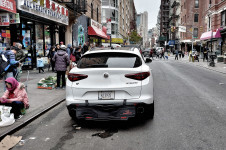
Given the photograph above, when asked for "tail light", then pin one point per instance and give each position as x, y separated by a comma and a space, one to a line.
138, 76
76, 77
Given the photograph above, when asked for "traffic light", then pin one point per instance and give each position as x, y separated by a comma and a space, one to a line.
201, 28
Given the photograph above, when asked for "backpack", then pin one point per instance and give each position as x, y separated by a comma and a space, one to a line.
4, 64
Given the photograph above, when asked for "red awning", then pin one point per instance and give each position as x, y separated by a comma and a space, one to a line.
208, 35
96, 32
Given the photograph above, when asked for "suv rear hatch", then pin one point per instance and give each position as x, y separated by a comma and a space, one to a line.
106, 77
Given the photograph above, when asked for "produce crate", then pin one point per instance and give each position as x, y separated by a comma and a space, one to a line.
48, 86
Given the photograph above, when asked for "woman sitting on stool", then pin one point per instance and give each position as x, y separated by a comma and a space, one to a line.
15, 96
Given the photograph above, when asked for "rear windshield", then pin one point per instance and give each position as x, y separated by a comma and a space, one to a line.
110, 60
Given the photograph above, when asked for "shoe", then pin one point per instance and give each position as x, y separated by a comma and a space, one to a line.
57, 88
18, 117
63, 87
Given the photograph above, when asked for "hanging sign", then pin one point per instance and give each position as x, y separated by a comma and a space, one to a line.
45, 8
8, 5
14, 18
4, 19
182, 28
109, 26
96, 24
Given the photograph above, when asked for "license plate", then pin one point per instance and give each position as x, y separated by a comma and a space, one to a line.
106, 95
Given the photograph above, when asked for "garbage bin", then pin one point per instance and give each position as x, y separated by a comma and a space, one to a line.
225, 58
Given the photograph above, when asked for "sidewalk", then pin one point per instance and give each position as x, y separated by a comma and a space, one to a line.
39, 99
219, 67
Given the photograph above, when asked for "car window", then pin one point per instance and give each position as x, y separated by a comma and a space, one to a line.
110, 60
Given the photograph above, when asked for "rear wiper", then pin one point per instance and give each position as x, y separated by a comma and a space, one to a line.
97, 66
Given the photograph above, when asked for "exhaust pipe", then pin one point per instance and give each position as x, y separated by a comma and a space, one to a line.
140, 110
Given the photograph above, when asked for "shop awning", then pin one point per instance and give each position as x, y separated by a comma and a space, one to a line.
208, 35
171, 42
96, 32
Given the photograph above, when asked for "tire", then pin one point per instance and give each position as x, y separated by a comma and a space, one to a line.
150, 111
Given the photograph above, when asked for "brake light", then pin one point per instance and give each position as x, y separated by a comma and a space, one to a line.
76, 77
138, 76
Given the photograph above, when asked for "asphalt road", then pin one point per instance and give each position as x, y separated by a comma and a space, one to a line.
190, 114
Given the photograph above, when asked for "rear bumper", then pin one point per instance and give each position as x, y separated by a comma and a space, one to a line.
106, 112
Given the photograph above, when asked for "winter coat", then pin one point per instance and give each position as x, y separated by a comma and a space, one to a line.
68, 50
61, 60
20, 56
20, 94
51, 54
85, 49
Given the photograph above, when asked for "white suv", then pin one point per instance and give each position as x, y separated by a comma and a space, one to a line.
110, 85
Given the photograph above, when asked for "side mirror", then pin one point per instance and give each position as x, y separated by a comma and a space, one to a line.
148, 60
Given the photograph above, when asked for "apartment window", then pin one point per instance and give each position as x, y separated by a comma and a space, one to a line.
97, 14
210, 2
91, 10
209, 24
223, 18
195, 33
196, 3
196, 18
185, 18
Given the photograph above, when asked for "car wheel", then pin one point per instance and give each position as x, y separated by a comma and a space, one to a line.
149, 111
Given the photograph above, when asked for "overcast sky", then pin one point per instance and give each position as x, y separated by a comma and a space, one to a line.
152, 7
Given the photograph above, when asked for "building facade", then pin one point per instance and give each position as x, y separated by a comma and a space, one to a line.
142, 26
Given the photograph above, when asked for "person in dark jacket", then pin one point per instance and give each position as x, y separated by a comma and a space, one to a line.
85, 48
61, 60
52, 52
20, 56
78, 54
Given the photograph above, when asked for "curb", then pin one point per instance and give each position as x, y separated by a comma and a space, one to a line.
28, 121
203, 67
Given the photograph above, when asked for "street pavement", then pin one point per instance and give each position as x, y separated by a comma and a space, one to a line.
190, 108
39, 99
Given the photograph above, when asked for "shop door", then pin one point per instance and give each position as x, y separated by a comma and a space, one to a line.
27, 47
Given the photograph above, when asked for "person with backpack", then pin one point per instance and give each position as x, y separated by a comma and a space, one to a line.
20, 56
61, 60
8, 57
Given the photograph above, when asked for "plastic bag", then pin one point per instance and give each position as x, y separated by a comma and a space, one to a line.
6, 118
6, 121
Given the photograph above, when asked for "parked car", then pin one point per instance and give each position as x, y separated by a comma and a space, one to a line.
110, 84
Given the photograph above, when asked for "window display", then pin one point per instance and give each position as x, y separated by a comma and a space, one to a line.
39, 40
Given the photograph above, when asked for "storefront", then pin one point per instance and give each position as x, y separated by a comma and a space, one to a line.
213, 38
36, 26
223, 35
7, 17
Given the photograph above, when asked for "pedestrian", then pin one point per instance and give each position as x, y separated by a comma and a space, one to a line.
176, 54
15, 97
52, 52
57, 47
69, 49
78, 54
205, 53
10, 55
180, 53
40, 64
85, 47
163, 54
20, 56
61, 60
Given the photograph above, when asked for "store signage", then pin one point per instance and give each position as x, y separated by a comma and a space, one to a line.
45, 8
182, 29
14, 18
8, 5
96, 24
109, 26
4, 19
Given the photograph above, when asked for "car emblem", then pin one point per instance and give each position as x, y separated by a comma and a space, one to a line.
106, 75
